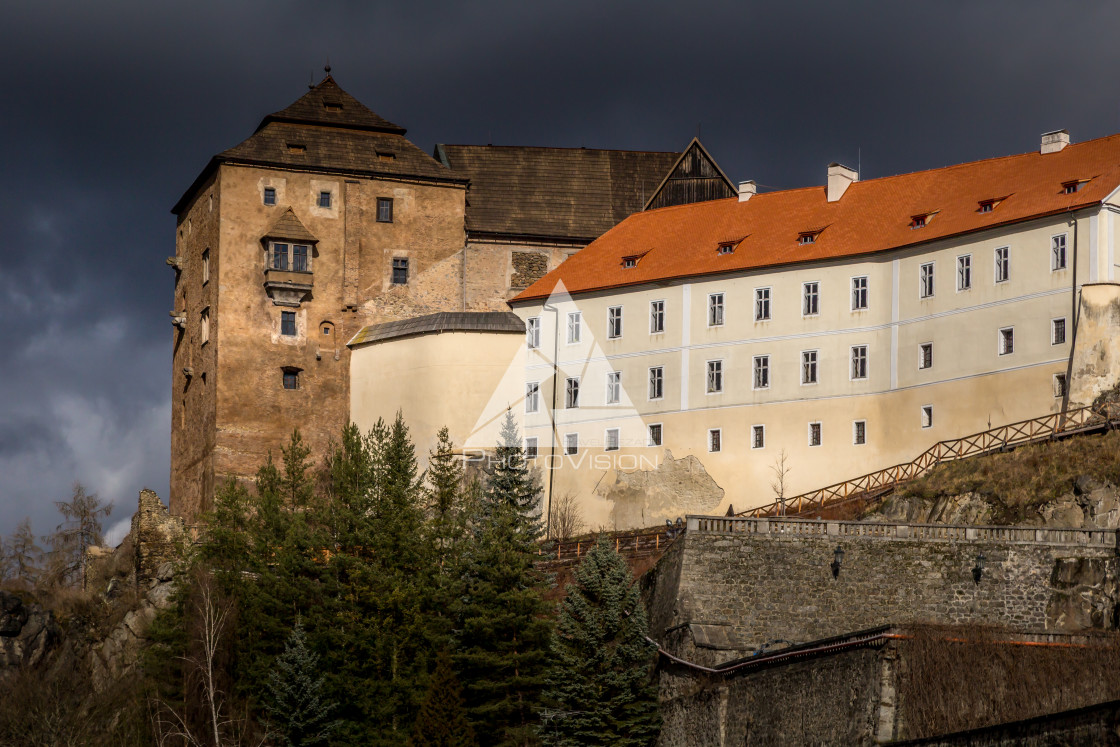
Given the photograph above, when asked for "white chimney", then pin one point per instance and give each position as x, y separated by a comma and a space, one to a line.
840, 177
747, 190
1052, 142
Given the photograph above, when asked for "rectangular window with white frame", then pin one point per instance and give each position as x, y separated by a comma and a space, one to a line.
1007, 341
808, 366
964, 272
656, 382
1058, 331
610, 440
814, 434
761, 304
758, 436
533, 332
571, 393
859, 432
571, 444
925, 280
614, 387
1060, 388
653, 430
1003, 264
614, 322
656, 317
530, 447
715, 440
1058, 252
925, 355
715, 377
761, 375
859, 362
810, 299
575, 327
927, 416
715, 310
859, 293
533, 396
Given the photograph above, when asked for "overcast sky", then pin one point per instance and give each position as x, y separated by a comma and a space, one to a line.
112, 108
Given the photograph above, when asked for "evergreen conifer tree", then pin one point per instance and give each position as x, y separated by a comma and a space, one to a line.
296, 704
504, 625
600, 682
442, 722
25, 554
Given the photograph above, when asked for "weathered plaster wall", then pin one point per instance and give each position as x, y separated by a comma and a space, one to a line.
1095, 368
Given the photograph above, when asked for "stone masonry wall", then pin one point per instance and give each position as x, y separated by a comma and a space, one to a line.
157, 537
765, 580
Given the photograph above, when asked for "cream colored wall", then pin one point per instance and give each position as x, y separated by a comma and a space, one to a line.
462, 380
969, 385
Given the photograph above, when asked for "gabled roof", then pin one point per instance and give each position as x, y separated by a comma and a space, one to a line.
871, 216
289, 226
694, 177
309, 135
327, 105
554, 193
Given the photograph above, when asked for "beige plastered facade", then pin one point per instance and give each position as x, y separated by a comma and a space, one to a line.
972, 384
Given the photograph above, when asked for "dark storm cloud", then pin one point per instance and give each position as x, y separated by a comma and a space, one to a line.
111, 109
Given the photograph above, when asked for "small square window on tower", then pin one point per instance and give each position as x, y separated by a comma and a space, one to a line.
270, 195
384, 209
927, 416
291, 378
324, 199
287, 323
400, 270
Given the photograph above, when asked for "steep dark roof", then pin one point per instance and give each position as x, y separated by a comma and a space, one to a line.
328, 105
288, 226
563, 193
443, 321
308, 135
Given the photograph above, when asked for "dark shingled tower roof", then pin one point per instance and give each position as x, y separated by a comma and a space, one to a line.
556, 193
328, 130
288, 226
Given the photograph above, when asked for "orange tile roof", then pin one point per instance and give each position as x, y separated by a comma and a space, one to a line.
872, 216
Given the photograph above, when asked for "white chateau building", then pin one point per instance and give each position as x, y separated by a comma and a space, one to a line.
669, 366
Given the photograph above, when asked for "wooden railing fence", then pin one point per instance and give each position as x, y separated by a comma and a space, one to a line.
1045, 428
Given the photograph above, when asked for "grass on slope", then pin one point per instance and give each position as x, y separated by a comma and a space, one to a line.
1019, 481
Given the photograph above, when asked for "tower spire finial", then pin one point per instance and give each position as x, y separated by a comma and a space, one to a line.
327, 67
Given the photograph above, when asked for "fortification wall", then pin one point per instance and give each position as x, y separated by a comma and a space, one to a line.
733, 584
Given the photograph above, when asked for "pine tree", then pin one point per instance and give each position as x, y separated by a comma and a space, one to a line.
296, 703
442, 722
600, 682
25, 554
80, 529
503, 616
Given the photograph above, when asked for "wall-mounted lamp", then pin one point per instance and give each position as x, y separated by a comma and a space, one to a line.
978, 569
837, 559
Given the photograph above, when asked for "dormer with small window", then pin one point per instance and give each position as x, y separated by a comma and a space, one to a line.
289, 251
921, 220
727, 247
1073, 186
809, 237
631, 261
987, 206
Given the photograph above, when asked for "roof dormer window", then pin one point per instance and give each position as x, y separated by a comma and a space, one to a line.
629, 262
921, 220
809, 237
1071, 187
297, 148
726, 247
332, 106
986, 206
385, 156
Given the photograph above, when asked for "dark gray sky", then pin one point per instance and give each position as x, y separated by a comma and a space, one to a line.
112, 108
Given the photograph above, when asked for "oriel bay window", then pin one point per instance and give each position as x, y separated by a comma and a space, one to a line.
289, 257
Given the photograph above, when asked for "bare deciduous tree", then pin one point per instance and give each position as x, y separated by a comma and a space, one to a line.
24, 554
781, 470
567, 518
80, 530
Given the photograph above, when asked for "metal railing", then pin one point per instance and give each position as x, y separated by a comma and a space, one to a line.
1047, 427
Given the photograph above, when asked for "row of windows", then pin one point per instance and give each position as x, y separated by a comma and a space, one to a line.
815, 432
326, 200
810, 296
760, 377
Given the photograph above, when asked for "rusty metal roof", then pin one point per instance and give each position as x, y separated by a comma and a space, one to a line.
443, 321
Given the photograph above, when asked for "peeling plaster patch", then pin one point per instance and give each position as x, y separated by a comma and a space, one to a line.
677, 487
